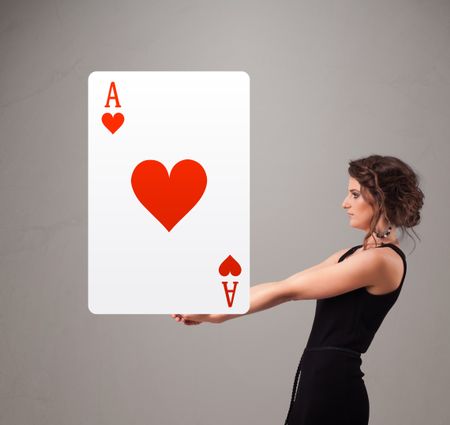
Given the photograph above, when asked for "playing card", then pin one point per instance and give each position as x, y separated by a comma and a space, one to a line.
168, 192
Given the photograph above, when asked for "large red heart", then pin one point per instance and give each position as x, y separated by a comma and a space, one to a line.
113, 123
169, 198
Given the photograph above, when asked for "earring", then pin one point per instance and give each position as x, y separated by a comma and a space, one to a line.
387, 232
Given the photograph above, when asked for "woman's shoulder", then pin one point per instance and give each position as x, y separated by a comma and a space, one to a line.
391, 268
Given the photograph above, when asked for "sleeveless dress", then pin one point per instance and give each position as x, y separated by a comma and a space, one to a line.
331, 390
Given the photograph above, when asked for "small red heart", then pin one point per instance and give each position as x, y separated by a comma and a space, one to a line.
113, 123
230, 265
169, 198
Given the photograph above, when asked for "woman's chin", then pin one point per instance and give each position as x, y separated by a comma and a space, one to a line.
358, 227
354, 225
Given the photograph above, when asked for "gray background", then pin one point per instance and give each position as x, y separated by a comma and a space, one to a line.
330, 81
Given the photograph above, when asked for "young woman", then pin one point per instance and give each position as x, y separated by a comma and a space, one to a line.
354, 288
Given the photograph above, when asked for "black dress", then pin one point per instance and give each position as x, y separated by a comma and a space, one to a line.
331, 390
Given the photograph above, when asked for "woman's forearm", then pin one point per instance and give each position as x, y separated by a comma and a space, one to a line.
262, 297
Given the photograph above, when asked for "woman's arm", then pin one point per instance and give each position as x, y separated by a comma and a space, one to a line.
267, 295
264, 295
364, 269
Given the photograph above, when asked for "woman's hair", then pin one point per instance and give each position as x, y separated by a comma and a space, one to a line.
392, 188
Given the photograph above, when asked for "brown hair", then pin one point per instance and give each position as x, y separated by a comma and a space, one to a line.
392, 188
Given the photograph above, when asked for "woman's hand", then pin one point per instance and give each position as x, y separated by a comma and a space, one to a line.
180, 318
197, 319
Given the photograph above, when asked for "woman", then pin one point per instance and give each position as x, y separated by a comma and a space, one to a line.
353, 296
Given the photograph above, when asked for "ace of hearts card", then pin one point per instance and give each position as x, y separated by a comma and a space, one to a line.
168, 192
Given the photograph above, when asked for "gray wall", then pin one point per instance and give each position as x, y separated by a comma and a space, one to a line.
330, 81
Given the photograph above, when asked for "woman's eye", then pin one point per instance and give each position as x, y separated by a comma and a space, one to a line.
355, 195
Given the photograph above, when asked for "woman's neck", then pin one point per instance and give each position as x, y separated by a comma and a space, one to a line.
392, 238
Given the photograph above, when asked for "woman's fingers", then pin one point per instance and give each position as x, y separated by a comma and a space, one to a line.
186, 321
177, 317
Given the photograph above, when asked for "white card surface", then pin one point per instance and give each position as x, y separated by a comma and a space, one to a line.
168, 192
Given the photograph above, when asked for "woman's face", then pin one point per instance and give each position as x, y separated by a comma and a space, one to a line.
359, 210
